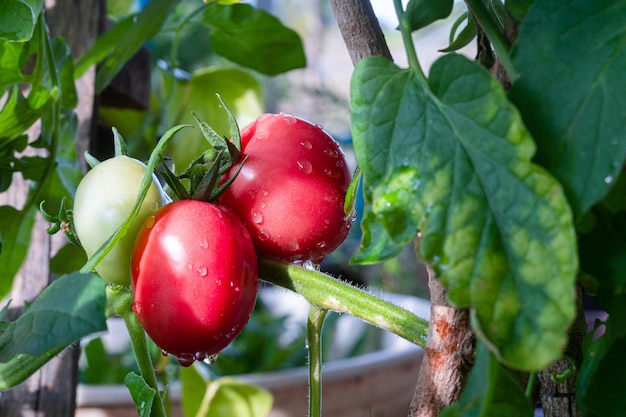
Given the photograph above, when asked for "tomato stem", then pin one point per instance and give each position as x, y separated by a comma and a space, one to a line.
119, 303
314, 341
330, 293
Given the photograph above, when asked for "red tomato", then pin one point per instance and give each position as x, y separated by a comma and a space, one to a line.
290, 192
194, 278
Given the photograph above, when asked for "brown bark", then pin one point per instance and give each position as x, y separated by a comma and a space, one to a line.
360, 29
450, 343
51, 391
449, 355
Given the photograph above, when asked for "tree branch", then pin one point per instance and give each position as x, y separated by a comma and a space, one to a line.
360, 29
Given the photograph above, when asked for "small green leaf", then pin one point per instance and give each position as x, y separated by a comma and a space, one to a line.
222, 397
19, 112
451, 159
465, 37
13, 56
490, 392
253, 38
15, 229
143, 395
421, 13
18, 19
571, 92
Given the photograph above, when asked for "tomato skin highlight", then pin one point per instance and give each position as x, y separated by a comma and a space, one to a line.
104, 198
194, 278
291, 190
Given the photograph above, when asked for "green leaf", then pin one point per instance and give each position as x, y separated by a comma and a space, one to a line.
18, 19
222, 397
15, 231
19, 113
571, 92
238, 88
464, 38
490, 392
68, 259
421, 13
143, 395
376, 244
68, 309
253, 38
12, 59
451, 158
118, 45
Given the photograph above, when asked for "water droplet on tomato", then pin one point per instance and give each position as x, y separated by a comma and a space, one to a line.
293, 245
164, 353
257, 217
203, 271
319, 126
200, 356
265, 193
204, 244
327, 171
333, 153
186, 359
252, 194
305, 166
320, 245
150, 222
259, 137
288, 118
339, 163
306, 144
136, 308
264, 235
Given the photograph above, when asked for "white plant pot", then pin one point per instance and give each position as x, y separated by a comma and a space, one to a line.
379, 383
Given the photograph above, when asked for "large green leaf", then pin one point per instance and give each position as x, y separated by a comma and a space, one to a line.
15, 231
18, 19
70, 308
451, 158
253, 38
490, 391
571, 58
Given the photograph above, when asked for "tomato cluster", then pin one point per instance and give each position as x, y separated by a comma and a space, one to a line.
192, 264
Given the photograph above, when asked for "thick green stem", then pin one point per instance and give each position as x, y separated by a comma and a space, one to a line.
495, 36
119, 302
327, 292
314, 341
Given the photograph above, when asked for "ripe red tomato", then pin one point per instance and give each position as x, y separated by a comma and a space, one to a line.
194, 278
290, 192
